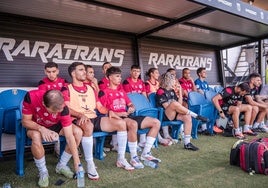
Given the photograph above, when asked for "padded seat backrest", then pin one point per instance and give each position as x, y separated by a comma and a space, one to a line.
11, 105
152, 99
195, 98
210, 94
140, 101
11, 97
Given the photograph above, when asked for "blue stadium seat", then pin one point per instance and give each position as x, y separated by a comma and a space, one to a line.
10, 103
22, 141
143, 107
99, 145
218, 88
200, 105
10, 108
176, 125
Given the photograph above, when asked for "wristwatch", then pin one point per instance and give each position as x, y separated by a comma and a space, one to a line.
220, 111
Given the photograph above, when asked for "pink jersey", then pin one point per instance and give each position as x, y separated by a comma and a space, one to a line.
47, 84
150, 87
105, 83
115, 100
187, 85
131, 86
33, 105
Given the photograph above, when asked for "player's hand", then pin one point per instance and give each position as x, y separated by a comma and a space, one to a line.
49, 135
112, 114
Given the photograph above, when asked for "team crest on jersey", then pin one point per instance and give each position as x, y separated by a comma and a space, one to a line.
83, 99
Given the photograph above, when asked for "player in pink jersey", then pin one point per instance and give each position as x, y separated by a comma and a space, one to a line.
104, 82
45, 117
83, 103
133, 84
116, 101
152, 84
90, 79
187, 84
51, 81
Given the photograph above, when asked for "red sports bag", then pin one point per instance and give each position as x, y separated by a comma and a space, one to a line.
254, 156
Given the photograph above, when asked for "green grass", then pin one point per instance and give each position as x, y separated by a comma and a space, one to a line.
208, 167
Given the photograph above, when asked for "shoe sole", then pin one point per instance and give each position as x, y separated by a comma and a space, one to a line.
250, 134
154, 160
191, 149
121, 166
92, 178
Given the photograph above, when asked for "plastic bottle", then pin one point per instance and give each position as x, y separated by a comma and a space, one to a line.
6, 185
80, 176
151, 164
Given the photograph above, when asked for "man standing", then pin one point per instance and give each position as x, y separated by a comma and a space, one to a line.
45, 117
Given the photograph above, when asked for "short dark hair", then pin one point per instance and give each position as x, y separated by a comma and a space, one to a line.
254, 75
113, 70
151, 70
54, 99
73, 66
185, 69
170, 69
51, 64
199, 70
244, 87
135, 67
107, 62
88, 66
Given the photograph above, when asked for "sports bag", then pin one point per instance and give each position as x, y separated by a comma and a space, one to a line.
251, 156
235, 153
254, 156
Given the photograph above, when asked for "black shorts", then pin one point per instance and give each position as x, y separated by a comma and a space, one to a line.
165, 118
96, 123
57, 127
138, 119
225, 108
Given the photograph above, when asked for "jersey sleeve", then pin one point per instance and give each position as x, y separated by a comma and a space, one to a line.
102, 85
27, 106
65, 118
126, 86
65, 93
102, 98
161, 97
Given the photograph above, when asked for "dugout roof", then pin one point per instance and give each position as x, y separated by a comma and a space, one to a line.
216, 23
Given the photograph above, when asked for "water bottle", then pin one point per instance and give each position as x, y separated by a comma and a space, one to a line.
6, 185
80, 176
151, 164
